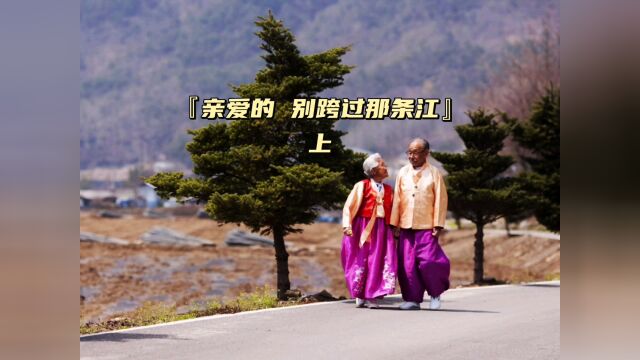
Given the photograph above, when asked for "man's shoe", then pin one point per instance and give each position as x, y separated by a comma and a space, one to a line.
409, 305
435, 303
359, 302
372, 304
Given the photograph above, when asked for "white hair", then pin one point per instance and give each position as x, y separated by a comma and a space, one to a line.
422, 141
371, 163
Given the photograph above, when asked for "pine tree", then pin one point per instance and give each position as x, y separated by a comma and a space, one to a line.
540, 136
259, 172
477, 189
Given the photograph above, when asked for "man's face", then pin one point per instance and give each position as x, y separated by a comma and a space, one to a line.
380, 170
417, 154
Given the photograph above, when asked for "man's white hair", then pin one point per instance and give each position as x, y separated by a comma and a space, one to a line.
371, 163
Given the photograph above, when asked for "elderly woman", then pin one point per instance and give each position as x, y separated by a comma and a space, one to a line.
368, 248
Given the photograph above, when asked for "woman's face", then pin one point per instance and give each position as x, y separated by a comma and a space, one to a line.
380, 171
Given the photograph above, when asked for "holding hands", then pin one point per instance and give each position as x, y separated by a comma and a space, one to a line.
347, 231
437, 231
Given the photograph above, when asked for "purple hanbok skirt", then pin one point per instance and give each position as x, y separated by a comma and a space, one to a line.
370, 271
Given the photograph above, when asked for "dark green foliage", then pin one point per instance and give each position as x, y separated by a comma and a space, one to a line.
476, 186
540, 136
259, 172
476, 189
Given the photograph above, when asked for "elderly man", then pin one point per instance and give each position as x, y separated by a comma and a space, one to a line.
418, 216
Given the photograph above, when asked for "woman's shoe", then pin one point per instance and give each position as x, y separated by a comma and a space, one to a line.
372, 304
359, 302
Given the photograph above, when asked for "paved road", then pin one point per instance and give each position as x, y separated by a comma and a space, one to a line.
538, 234
499, 322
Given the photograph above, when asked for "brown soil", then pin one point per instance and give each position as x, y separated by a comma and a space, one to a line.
116, 278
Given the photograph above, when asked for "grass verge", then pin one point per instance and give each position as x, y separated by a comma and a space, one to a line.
151, 313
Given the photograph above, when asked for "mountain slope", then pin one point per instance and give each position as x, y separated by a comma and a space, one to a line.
141, 60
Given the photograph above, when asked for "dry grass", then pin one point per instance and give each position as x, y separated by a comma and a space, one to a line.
132, 274
155, 313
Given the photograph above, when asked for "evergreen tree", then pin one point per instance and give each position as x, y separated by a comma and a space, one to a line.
540, 136
259, 172
477, 189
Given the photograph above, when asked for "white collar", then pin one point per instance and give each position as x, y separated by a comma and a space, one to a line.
373, 182
424, 166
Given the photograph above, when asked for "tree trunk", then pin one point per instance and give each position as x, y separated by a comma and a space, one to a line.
458, 222
478, 268
282, 262
506, 227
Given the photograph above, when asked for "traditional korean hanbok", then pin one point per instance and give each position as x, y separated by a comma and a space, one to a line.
419, 205
369, 255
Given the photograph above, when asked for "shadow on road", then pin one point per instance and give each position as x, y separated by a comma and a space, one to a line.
392, 304
441, 310
385, 301
123, 336
543, 285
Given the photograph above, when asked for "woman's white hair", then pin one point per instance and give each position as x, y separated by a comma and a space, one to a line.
371, 163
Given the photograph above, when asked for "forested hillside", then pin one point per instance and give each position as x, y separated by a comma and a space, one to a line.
140, 60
